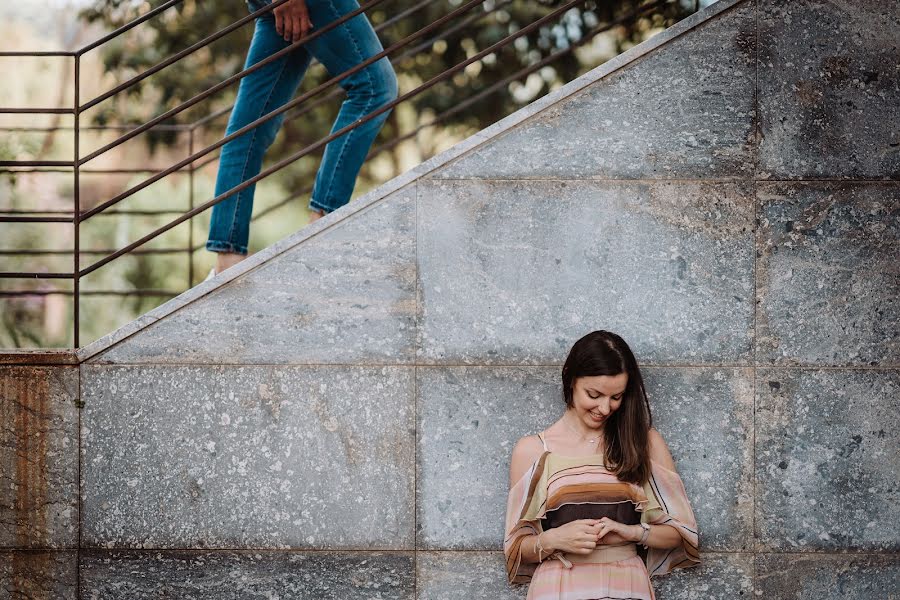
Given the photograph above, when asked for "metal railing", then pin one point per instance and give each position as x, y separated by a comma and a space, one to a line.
457, 19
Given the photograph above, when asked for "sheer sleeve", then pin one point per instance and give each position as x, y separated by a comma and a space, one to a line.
522, 520
668, 505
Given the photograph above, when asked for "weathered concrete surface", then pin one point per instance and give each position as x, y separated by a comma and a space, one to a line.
827, 459
345, 296
706, 417
468, 422
263, 575
38, 574
829, 274
237, 457
685, 113
38, 457
718, 577
827, 577
829, 89
469, 418
516, 272
464, 576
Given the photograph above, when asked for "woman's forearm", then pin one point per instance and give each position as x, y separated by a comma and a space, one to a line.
661, 536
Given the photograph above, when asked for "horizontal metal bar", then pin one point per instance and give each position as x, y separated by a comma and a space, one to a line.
23, 219
174, 127
68, 252
130, 25
37, 111
178, 56
271, 115
13, 211
294, 157
145, 292
37, 163
33, 275
26, 53
223, 84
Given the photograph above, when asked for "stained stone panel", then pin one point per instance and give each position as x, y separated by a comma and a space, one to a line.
706, 417
717, 577
38, 457
827, 577
829, 274
516, 272
685, 111
827, 459
464, 576
346, 295
829, 89
237, 457
471, 417
38, 574
262, 575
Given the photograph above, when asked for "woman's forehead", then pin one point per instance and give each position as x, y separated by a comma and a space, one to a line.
608, 384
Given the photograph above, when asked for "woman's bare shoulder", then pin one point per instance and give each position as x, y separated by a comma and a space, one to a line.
525, 452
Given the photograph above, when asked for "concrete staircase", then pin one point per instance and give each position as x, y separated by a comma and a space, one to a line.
333, 418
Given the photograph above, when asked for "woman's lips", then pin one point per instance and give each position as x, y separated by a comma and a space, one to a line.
595, 419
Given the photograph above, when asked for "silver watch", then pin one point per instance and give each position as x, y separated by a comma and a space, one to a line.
645, 534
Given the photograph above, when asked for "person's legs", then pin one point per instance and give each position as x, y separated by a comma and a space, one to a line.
367, 90
259, 93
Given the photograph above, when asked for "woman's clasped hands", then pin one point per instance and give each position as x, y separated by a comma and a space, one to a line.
584, 535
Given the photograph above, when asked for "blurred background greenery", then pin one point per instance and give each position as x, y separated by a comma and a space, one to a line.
44, 319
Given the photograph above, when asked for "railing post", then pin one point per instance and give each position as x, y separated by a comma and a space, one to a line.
76, 221
190, 246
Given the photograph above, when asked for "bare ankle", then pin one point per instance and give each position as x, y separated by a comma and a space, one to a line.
225, 260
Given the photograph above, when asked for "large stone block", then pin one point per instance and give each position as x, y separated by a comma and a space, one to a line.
464, 576
684, 111
827, 577
516, 272
345, 296
260, 574
829, 89
717, 577
38, 457
827, 460
706, 417
829, 274
38, 574
470, 418
271, 457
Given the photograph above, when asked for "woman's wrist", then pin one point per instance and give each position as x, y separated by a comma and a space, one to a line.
636, 532
548, 542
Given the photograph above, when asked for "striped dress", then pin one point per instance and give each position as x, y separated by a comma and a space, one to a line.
584, 488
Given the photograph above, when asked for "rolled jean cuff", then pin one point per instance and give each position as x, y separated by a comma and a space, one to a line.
217, 246
313, 205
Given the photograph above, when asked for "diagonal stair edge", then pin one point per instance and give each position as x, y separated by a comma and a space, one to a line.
375, 196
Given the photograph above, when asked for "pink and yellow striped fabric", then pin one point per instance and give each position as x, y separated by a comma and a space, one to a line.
554, 481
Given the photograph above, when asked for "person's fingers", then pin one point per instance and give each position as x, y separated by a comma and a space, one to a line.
296, 28
305, 23
279, 21
288, 28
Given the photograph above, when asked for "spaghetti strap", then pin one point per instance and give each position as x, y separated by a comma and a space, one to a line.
543, 441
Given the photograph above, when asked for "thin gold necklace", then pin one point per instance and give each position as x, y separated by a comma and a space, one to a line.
593, 440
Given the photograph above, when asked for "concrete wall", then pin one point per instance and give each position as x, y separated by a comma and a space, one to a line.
333, 418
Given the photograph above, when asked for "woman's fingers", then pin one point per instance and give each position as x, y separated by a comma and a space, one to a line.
279, 22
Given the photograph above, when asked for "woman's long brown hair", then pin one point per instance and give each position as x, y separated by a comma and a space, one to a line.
626, 432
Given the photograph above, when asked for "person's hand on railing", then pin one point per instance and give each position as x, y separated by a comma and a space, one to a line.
292, 20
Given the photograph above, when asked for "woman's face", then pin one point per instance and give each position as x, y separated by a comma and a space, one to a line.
595, 398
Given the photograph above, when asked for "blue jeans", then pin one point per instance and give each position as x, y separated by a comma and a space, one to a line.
272, 86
